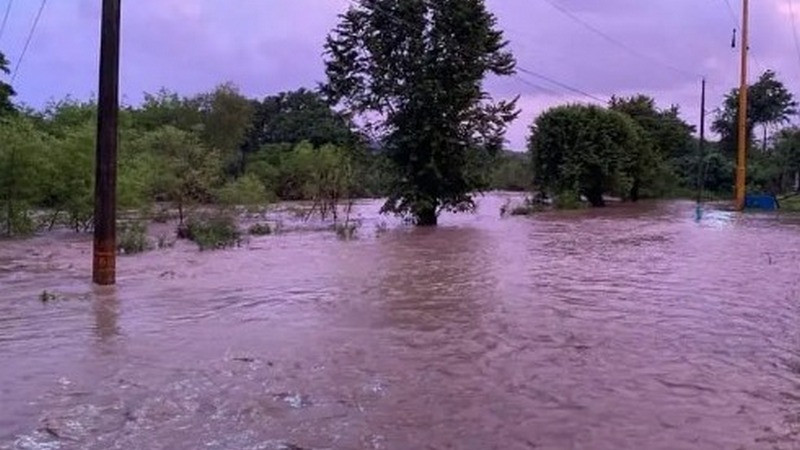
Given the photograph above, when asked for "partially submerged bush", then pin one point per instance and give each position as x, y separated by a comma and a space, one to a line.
212, 231
133, 239
346, 231
569, 200
260, 229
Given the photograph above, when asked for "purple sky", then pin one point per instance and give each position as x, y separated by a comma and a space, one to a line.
267, 46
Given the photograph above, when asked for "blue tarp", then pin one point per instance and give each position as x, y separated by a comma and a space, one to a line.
761, 201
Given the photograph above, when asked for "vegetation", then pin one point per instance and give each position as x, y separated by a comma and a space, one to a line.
260, 229
413, 71
589, 151
132, 238
212, 231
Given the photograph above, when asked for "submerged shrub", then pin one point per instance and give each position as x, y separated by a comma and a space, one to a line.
133, 239
346, 231
569, 200
211, 232
260, 229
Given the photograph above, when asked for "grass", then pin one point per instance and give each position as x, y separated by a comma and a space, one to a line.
790, 204
212, 231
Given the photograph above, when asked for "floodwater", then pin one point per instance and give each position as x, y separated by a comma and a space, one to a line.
630, 327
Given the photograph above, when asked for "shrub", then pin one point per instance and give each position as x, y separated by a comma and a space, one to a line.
133, 239
568, 200
346, 231
211, 232
260, 229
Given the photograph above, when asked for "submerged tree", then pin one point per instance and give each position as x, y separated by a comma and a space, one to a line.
586, 150
413, 71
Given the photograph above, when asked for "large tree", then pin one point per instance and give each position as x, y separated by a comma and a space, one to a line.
769, 103
413, 71
586, 150
297, 116
670, 138
6, 91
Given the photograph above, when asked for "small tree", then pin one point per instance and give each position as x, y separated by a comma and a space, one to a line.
21, 156
413, 72
586, 150
188, 172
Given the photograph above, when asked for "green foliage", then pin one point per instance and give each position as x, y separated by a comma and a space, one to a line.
588, 150
669, 141
568, 200
69, 185
297, 116
260, 229
769, 103
413, 71
791, 204
21, 154
132, 238
246, 190
187, 172
212, 231
226, 117
510, 171
7, 108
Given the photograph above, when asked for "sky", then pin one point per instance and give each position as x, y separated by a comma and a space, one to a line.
596, 47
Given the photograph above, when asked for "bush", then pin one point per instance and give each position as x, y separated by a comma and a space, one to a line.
212, 232
346, 231
133, 239
569, 200
260, 229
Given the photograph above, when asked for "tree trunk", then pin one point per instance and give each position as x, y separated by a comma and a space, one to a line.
427, 217
634, 191
595, 198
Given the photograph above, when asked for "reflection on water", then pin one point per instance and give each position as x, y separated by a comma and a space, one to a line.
628, 327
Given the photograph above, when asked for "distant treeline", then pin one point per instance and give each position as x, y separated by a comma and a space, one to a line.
403, 115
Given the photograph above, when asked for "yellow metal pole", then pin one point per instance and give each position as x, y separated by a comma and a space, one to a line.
741, 155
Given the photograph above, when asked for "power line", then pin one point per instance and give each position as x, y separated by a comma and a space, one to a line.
534, 85
5, 18
560, 84
28, 40
794, 29
732, 14
616, 42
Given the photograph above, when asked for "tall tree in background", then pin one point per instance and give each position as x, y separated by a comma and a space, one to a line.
670, 139
294, 117
769, 103
6, 91
413, 71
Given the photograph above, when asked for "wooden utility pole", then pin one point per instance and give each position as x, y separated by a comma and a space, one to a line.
105, 183
702, 147
741, 154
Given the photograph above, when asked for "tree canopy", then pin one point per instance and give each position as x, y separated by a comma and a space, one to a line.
587, 150
413, 72
6, 91
769, 103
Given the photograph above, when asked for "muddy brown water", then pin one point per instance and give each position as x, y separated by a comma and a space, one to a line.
631, 327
